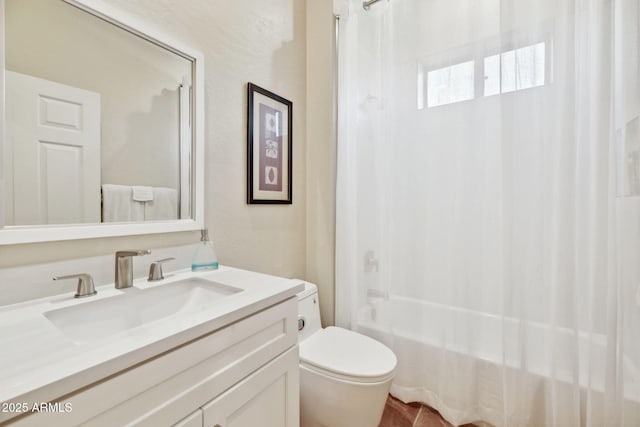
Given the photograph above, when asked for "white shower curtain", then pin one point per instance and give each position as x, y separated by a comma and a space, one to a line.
489, 175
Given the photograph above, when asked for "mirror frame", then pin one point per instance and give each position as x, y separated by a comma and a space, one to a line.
47, 233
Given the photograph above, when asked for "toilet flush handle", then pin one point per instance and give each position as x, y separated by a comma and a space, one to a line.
301, 322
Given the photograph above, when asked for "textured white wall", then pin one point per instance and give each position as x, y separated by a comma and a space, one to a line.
245, 40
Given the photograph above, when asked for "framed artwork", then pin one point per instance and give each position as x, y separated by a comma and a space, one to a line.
269, 145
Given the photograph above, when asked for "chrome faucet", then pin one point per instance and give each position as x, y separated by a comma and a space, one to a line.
124, 267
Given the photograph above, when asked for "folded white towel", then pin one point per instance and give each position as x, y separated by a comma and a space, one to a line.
142, 194
164, 205
117, 205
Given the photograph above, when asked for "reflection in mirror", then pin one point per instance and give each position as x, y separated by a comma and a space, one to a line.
98, 121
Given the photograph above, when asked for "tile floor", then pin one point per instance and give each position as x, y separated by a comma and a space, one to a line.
399, 414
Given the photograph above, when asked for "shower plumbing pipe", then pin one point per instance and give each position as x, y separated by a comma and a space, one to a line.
368, 3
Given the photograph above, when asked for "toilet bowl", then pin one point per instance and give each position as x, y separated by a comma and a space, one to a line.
344, 376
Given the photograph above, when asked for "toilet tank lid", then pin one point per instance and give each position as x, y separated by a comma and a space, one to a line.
309, 289
348, 353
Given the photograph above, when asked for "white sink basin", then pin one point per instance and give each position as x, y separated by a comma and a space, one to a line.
91, 321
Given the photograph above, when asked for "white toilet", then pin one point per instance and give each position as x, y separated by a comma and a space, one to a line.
344, 376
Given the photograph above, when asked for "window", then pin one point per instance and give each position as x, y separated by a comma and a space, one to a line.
475, 75
450, 84
513, 70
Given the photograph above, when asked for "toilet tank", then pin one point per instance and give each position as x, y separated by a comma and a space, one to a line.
308, 311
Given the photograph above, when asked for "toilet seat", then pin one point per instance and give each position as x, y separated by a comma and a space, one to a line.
345, 378
347, 355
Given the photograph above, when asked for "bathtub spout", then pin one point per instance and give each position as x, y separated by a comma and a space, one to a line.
377, 293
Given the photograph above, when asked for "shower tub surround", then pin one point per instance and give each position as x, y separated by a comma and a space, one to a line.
477, 368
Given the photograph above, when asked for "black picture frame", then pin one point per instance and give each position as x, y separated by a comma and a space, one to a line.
269, 147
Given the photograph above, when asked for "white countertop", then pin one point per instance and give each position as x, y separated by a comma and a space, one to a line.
39, 363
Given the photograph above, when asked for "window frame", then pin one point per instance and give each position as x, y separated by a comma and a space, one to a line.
477, 52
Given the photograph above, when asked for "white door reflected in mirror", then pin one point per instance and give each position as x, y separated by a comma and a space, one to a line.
53, 152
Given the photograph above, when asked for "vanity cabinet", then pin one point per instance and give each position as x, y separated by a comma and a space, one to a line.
262, 399
241, 375
193, 420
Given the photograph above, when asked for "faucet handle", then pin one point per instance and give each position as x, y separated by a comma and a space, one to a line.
370, 262
86, 288
155, 270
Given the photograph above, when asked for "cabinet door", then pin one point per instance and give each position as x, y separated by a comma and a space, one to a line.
193, 420
267, 398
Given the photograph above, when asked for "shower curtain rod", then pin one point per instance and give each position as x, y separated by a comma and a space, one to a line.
366, 4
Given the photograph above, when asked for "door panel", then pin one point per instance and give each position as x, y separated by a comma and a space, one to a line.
267, 398
53, 133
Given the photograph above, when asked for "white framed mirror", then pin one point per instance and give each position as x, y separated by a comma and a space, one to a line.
102, 125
